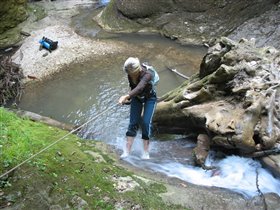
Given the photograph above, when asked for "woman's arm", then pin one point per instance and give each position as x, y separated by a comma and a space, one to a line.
141, 85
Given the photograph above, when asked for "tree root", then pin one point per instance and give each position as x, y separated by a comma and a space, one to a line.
10, 80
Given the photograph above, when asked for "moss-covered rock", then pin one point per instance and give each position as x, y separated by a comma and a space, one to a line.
12, 12
66, 175
14, 15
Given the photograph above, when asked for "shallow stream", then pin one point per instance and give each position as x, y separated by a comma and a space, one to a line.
84, 90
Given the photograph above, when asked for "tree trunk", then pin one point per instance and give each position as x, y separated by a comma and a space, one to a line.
234, 99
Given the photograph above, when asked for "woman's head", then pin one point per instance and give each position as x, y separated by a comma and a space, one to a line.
132, 65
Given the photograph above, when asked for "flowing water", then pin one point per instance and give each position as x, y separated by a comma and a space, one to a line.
84, 90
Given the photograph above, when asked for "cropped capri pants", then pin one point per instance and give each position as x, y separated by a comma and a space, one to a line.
136, 108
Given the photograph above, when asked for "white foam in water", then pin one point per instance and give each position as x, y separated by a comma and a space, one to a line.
136, 149
240, 174
234, 173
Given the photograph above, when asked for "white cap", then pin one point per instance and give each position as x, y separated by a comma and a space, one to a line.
131, 65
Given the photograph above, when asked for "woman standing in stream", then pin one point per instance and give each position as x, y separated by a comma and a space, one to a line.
142, 79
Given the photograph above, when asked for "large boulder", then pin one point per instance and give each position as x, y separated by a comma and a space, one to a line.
12, 12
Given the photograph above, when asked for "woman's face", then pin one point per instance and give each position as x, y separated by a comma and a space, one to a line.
134, 74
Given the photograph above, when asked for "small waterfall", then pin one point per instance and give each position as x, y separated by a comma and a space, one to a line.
236, 173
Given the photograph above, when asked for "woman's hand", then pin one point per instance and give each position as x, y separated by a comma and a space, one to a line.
124, 99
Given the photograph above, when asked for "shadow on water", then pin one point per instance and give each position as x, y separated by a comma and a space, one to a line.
84, 90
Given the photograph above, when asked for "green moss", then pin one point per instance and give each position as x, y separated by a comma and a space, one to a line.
12, 13
36, 11
55, 176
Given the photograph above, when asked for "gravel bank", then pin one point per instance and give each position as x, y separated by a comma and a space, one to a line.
72, 48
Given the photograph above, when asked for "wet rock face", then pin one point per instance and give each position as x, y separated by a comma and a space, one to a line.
266, 25
188, 21
12, 12
136, 8
141, 9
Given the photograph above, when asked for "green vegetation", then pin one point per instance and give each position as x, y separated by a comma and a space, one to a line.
36, 11
73, 173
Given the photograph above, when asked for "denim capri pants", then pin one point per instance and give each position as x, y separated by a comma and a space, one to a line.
136, 107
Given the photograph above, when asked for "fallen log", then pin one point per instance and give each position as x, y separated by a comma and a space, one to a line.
46, 120
234, 98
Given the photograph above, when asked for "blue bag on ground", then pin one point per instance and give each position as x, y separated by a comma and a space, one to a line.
48, 44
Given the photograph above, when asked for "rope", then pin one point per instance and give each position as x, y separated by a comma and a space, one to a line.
259, 191
55, 142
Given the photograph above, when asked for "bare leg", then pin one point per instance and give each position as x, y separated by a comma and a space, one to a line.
129, 142
146, 155
127, 150
146, 145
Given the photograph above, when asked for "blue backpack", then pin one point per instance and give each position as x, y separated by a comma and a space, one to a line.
48, 44
155, 77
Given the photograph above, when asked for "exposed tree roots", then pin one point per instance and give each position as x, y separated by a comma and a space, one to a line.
10, 80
